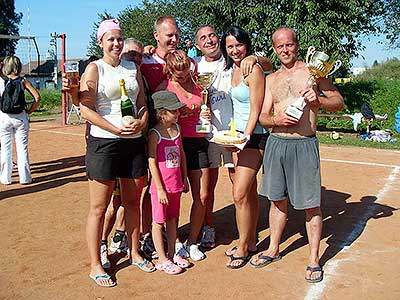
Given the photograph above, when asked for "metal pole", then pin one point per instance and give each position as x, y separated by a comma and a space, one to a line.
64, 94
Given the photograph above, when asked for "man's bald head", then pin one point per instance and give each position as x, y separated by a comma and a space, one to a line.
284, 30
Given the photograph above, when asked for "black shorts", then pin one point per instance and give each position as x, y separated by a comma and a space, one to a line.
257, 141
107, 159
196, 151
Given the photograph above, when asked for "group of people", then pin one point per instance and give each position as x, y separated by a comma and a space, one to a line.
163, 133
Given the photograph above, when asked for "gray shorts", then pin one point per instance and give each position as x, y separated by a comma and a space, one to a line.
219, 156
292, 168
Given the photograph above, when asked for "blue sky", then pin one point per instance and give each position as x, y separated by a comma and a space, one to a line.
75, 18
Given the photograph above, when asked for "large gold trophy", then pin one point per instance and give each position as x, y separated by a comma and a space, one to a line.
320, 65
204, 81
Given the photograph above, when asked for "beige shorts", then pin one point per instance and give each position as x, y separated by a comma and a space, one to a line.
219, 156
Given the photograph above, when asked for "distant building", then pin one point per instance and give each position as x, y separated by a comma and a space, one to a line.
358, 71
43, 76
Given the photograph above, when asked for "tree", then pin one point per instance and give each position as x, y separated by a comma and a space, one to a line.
391, 21
9, 21
332, 26
136, 22
93, 47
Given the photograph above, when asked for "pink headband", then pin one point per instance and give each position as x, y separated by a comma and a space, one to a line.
106, 26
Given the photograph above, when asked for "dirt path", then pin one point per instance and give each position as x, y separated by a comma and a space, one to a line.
44, 253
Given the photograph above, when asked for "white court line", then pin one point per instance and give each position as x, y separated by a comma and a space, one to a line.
59, 132
359, 163
315, 292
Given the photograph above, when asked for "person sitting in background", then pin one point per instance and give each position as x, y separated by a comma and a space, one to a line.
14, 120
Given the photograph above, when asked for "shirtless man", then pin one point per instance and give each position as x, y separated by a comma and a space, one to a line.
291, 160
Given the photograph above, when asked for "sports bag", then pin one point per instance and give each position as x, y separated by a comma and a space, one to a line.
13, 99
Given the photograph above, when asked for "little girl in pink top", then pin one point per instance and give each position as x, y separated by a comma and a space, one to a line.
167, 163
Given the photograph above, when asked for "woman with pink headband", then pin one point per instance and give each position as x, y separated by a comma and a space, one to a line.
113, 150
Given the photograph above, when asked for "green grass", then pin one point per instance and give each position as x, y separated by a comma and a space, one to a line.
49, 104
355, 140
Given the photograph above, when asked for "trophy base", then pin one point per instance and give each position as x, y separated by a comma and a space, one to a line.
294, 112
203, 128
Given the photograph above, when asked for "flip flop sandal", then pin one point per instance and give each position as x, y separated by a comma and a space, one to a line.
232, 250
244, 260
315, 269
266, 260
144, 266
169, 267
98, 279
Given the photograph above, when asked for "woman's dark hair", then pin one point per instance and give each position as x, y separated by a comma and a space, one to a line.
241, 36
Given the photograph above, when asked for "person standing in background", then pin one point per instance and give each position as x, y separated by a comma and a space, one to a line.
192, 51
14, 120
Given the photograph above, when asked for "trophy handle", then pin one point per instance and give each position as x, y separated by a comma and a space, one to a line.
310, 53
336, 66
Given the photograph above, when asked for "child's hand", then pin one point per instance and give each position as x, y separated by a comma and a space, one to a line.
185, 185
162, 196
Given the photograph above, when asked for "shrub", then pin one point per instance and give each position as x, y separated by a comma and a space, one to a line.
51, 100
379, 86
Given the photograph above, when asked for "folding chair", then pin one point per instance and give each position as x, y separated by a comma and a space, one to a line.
74, 109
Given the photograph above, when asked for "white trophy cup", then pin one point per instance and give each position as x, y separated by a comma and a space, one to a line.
320, 65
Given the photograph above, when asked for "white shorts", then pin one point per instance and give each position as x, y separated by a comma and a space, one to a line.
219, 156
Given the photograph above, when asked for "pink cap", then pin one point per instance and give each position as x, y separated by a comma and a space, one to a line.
106, 26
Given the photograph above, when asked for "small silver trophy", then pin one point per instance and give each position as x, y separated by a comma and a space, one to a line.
204, 81
320, 65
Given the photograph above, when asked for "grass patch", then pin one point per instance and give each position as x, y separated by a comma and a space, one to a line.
354, 139
49, 104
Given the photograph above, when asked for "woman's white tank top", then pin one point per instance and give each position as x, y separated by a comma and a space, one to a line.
108, 101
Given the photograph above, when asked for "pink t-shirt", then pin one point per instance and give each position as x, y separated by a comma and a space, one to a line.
169, 163
190, 114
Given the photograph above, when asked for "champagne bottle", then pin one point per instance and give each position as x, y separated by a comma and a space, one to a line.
126, 103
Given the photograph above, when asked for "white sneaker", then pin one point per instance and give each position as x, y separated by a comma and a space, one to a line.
194, 252
105, 262
181, 250
119, 247
208, 237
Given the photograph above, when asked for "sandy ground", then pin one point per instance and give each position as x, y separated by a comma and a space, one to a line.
44, 253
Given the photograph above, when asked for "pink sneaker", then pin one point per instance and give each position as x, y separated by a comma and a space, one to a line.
180, 261
169, 267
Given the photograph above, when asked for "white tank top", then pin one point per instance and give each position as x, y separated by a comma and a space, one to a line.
108, 101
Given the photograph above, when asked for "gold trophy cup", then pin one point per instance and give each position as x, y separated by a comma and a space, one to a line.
320, 65
204, 81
